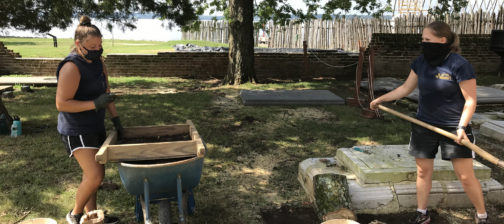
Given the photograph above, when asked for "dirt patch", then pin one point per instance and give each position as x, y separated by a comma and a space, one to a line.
142, 91
290, 215
399, 218
228, 101
166, 138
307, 113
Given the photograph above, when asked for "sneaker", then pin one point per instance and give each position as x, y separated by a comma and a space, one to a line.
73, 219
420, 218
478, 220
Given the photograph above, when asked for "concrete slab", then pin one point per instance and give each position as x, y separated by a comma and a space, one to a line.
289, 97
493, 129
386, 84
448, 194
498, 86
486, 95
6, 88
388, 197
372, 198
34, 80
406, 195
392, 163
480, 118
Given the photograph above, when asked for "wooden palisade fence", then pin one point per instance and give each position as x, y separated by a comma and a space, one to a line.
348, 33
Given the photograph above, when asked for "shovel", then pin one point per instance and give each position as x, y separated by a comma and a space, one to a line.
481, 152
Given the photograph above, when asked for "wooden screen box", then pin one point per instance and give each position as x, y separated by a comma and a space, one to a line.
152, 143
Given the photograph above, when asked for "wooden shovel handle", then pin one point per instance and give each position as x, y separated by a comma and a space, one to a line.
484, 154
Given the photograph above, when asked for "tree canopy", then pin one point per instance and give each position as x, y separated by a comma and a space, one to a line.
42, 15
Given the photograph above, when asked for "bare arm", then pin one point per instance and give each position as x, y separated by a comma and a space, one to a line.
405, 89
468, 88
68, 83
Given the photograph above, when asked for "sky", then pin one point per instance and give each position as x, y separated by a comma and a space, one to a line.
147, 29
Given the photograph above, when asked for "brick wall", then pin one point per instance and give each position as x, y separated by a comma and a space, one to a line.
7, 58
198, 65
395, 52
201, 65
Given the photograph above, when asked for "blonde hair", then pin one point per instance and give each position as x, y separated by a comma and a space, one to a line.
442, 29
85, 29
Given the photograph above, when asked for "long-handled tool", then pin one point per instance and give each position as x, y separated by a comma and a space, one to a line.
489, 157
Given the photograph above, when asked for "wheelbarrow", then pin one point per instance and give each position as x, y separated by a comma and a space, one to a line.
158, 172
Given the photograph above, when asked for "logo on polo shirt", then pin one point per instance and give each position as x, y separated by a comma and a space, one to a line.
444, 76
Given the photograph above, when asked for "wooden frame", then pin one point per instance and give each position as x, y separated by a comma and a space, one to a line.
111, 152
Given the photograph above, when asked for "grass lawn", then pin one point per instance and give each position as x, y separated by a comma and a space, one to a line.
43, 47
252, 159
253, 152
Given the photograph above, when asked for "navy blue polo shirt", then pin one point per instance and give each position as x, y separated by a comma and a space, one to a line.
92, 84
440, 100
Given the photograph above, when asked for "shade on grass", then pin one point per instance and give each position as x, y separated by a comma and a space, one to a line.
250, 166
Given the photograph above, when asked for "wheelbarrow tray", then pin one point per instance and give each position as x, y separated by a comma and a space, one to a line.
161, 177
111, 151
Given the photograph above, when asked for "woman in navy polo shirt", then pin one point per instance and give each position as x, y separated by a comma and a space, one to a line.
82, 96
447, 86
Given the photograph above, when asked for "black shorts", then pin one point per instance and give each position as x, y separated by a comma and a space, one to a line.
73, 143
424, 143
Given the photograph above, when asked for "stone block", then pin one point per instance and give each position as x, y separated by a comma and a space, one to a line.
493, 129
491, 185
498, 86
408, 202
480, 118
331, 193
406, 195
456, 200
392, 163
312, 167
485, 95
373, 198
495, 197
409, 187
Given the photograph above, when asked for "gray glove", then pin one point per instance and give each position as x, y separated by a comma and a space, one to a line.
103, 100
118, 127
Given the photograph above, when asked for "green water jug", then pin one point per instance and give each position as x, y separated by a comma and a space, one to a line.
16, 127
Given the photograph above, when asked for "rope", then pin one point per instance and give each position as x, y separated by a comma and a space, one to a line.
329, 65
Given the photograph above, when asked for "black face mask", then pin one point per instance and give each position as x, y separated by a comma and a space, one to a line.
435, 53
93, 55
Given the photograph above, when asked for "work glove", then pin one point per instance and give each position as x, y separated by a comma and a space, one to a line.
118, 127
103, 100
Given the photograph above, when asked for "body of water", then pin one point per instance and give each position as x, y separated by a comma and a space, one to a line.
147, 29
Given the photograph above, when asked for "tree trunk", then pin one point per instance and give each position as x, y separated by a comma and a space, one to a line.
331, 193
241, 43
